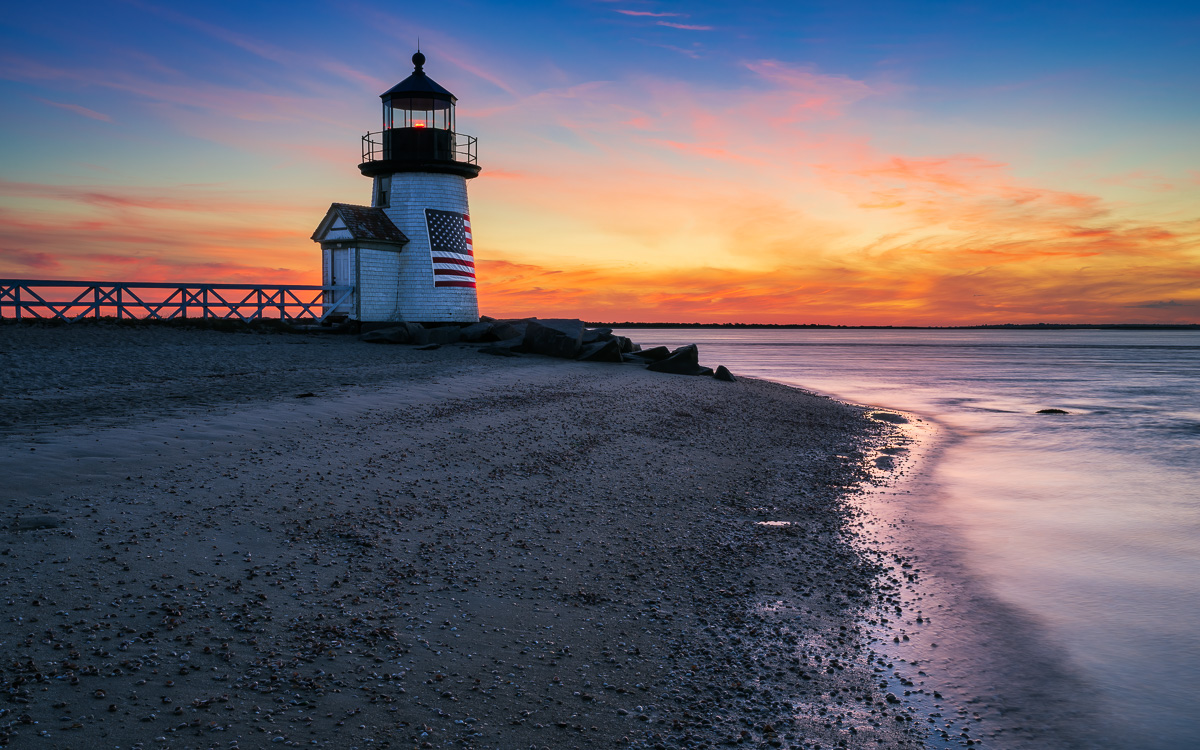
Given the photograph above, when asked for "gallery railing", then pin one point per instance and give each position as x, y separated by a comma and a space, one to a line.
419, 144
73, 300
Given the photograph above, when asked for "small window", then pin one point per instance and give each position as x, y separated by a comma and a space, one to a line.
383, 199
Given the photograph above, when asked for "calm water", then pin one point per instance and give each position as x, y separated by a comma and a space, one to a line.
1088, 525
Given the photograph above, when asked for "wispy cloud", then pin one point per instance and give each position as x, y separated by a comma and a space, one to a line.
685, 26
77, 109
806, 220
22, 259
695, 54
649, 14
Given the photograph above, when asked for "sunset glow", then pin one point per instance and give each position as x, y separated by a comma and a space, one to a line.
640, 161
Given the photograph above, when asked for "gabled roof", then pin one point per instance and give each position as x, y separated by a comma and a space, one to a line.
345, 221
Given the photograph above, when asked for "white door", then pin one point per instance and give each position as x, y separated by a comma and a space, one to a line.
339, 275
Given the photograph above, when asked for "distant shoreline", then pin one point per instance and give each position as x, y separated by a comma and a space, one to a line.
996, 327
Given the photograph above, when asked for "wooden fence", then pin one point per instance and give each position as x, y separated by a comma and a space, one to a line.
73, 300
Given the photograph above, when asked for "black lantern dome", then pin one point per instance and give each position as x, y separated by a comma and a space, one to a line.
418, 131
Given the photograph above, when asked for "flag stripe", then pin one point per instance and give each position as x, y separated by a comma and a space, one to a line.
458, 257
451, 248
444, 268
453, 261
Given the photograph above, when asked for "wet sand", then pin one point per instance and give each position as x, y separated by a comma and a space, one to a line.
427, 549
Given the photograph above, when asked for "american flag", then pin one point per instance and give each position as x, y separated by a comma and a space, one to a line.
450, 243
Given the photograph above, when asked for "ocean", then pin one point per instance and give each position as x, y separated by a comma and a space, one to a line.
1060, 553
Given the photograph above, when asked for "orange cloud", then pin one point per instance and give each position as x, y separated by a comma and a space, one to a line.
149, 234
653, 199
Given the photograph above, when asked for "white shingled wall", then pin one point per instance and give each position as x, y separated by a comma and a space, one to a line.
379, 280
419, 299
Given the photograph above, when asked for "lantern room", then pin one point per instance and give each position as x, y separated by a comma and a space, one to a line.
418, 131
418, 102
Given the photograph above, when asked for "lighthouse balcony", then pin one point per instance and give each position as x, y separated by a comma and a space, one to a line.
419, 150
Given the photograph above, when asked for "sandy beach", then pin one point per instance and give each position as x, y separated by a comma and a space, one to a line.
249, 540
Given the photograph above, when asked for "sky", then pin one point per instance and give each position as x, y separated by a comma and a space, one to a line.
855, 163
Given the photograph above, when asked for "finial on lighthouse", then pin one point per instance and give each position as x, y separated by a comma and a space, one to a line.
418, 60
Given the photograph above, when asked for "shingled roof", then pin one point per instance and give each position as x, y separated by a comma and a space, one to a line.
361, 222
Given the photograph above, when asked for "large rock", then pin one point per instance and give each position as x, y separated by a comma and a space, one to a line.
554, 338
508, 329
439, 335
592, 335
723, 373
601, 351
401, 333
570, 327
654, 354
683, 361
477, 332
512, 343
377, 337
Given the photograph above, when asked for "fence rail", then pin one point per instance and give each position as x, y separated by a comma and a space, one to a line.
73, 300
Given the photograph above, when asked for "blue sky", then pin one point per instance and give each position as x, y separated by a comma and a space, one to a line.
902, 139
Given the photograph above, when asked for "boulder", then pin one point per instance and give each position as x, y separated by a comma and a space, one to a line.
401, 333
572, 328
683, 361
592, 335
601, 351
439, 335
654, 354
507, 329
477, 332
553, 338
376, 337
512, 343
723, 373
627, 344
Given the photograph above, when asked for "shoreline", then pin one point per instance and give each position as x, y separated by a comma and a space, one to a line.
454, 551
970, 664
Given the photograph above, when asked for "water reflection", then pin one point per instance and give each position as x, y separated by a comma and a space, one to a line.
1088, 522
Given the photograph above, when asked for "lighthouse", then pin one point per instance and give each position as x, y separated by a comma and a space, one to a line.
409, 255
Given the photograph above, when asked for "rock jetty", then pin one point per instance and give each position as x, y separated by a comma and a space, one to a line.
564, 338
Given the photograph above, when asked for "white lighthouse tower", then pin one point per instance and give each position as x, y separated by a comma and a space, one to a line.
409, 254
